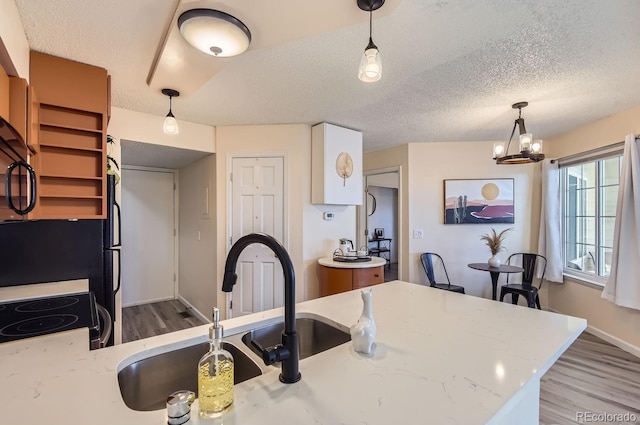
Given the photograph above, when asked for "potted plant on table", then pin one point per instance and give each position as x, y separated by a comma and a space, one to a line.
494, 242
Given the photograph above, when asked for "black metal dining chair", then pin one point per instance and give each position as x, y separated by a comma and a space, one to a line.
526, 288
427, 260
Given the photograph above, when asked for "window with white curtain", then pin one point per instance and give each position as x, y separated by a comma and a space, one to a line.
589, 196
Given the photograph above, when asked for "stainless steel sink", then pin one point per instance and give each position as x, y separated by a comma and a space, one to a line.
145, 384
314, 336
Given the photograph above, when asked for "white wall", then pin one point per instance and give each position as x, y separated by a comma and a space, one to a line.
384, 180
321, 238
197, 264
14, 47
429, 165
140, 127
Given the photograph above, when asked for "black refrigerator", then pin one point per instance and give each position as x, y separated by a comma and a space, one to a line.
41, 251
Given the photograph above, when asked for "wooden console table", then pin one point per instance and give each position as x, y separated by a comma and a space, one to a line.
336, 277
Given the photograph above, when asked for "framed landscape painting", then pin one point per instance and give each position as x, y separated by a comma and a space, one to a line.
474, 201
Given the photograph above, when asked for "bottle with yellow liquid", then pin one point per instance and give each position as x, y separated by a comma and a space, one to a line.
215, 375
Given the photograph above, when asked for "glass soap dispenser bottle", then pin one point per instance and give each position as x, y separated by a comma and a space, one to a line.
215, 375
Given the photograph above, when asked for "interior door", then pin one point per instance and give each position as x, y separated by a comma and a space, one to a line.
148, 249
257, 206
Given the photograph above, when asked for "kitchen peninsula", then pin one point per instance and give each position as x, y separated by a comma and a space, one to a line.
440, 358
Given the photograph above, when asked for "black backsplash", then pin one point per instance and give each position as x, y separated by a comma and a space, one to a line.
50, 250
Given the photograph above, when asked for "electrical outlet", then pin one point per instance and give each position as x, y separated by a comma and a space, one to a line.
418, 234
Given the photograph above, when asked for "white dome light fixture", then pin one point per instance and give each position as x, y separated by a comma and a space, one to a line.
170, 125
214, 33
370, 69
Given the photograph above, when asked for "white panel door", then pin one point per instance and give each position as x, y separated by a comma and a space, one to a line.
257, 206
148, 252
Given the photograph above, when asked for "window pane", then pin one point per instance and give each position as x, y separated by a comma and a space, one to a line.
606, 231
574, 176
584, 259
610, 171
605, 261
585, 200
589, 174
590, 195
586, 230
608, 200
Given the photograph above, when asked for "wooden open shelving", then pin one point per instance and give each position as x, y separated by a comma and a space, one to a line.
72, 158
71, 162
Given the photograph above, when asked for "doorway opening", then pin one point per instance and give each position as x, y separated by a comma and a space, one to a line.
379, 219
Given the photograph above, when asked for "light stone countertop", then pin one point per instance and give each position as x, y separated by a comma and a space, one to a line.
39, 290
329, 262
440, 358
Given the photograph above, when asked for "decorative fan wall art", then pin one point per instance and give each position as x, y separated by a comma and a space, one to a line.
344, 166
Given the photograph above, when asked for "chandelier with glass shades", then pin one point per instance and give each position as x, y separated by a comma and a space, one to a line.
530, 150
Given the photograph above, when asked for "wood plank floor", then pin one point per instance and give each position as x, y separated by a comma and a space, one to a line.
591, 376
146, 320
391, 272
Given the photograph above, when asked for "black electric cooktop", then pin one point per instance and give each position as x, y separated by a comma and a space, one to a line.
41, 316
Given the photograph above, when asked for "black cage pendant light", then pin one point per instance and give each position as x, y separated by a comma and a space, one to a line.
170, 125
530, 150
370, 65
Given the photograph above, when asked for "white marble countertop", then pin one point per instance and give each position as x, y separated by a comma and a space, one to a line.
440, 358
39, 290
329, 262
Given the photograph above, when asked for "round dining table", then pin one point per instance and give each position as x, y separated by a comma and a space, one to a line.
495, 273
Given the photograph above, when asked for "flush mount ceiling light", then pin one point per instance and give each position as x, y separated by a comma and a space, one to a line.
530, 150
370, 66
170, 125
214, 33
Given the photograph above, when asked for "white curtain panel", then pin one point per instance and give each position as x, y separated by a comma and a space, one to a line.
623, 285
550, 238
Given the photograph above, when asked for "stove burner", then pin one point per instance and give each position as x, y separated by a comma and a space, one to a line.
46, 304
39, 325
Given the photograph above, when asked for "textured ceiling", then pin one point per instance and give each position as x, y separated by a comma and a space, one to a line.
451, 69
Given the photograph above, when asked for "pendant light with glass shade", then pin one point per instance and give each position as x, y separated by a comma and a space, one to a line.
530, 150
170, 125
370, 65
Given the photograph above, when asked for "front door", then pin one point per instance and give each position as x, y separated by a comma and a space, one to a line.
257, 187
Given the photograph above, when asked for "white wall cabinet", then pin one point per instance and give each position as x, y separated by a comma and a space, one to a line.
336, 165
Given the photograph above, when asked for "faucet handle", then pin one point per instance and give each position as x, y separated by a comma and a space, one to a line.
179, 406
270, 355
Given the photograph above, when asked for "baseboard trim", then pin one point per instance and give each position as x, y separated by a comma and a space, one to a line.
623, 345
194, 310
614, 340
154, 300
